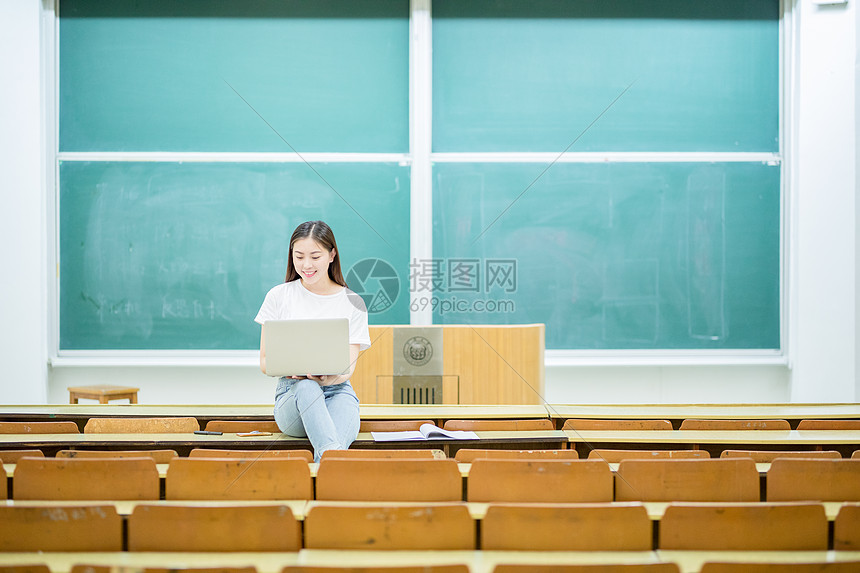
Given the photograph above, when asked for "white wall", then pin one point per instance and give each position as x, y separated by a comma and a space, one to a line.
176, 385
824, 253
857, 204
826, 231
22, 226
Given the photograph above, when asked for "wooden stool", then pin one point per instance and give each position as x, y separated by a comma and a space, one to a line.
103, 393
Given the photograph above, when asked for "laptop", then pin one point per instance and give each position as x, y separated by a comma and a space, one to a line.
298, 347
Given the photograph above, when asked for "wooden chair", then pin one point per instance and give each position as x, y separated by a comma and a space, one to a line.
438, 527
236, 426
85, 528
141, 426
767, 456
39, 428
581, 527
306, 455
855, 455
468, 455
214, 529
846, 528
391, 425
687, 480
782, 567
389, 480
591, 568
744, 527
499, 425
240, 478
615, 456
536, 481
382, 454
86, 478
813, 480
829, 425
160, 456
693, 424
613, 425
12, 456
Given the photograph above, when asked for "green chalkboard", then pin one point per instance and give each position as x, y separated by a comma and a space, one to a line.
663, 255
180, 256
531, 76
328, 75
645, 256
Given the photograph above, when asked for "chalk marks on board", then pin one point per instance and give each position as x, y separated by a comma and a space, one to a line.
706, 253
627, 256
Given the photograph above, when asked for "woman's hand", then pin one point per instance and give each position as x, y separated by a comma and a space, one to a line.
332, 379
327, 380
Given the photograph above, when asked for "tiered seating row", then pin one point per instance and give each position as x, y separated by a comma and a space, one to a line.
429, 526
416, 479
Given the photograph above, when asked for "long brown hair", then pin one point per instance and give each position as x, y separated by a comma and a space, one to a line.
322, 234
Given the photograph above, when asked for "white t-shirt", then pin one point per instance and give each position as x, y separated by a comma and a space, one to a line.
292, 300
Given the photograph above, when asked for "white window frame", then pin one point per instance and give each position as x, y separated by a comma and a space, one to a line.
421, 159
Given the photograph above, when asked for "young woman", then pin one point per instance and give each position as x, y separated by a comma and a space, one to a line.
322, 408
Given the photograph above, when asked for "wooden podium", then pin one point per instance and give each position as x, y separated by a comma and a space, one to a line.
498, 364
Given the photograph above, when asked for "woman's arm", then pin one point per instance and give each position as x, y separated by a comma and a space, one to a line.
331, 380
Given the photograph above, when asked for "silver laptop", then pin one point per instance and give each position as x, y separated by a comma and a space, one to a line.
318, 346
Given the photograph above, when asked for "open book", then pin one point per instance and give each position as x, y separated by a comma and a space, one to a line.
425, 432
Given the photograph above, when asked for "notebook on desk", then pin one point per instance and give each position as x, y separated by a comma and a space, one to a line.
300, 347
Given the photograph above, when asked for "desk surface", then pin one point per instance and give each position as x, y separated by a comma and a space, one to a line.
300, 507
692, 561
233, 441
707, 411
446, 412
183, 443
264, 411
477, 561
739, 437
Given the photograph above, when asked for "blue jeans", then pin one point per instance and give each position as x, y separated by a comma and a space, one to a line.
326, 415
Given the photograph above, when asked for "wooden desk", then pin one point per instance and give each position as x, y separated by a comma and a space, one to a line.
439, 413
715, 441
103, 393
692, 561
263, 412
81, 413
477, 561
50, 444
519, 440
678, 412
300, 507
61, 562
